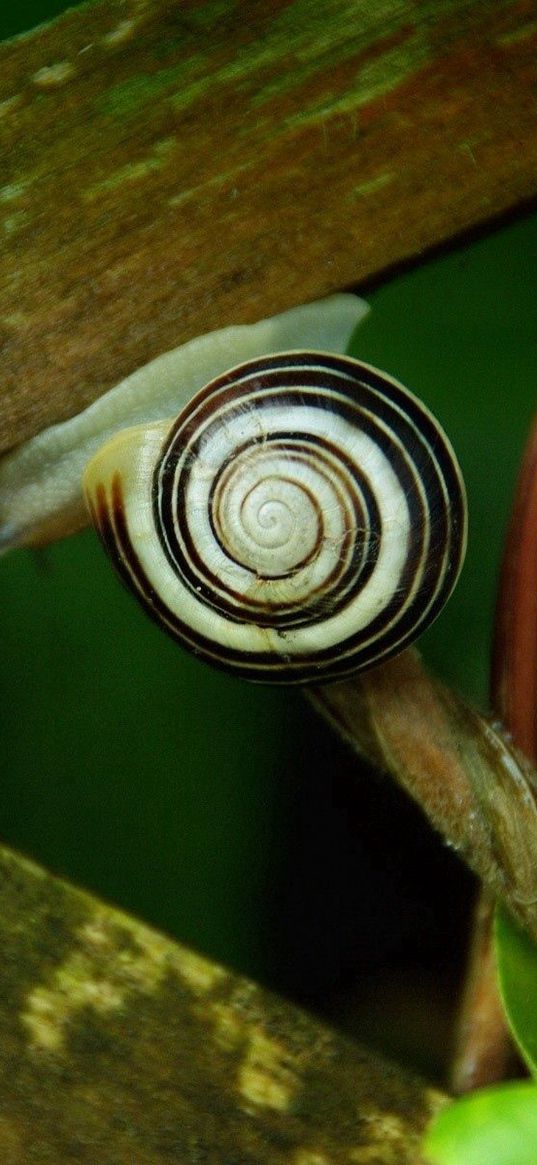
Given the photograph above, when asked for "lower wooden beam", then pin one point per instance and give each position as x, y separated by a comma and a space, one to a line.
118, 1045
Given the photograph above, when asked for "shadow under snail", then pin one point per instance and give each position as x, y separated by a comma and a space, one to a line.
303, 517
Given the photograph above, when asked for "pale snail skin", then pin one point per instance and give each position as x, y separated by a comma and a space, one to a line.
303, 518
40, 482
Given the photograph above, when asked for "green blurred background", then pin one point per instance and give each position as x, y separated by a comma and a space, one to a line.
224, 813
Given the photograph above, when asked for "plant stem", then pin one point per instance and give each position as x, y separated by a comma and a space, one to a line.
484, 1053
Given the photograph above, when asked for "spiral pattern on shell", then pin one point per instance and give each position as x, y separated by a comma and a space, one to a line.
303, 518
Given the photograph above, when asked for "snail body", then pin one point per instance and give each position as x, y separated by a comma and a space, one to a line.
303, 518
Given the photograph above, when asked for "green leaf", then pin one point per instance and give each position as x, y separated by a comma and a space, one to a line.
516, 956
496, 1126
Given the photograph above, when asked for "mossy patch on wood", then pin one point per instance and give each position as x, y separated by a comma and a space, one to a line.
118, 1045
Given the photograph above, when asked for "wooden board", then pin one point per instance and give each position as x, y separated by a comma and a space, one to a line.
119, 1046
169, 168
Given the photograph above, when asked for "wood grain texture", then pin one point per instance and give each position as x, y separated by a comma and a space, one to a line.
169, 168
119, 1046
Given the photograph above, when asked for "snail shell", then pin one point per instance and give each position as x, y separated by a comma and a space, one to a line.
303, 518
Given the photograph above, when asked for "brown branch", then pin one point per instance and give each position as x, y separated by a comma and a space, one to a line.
118, 1045
485, 1052
170, 168
472, 784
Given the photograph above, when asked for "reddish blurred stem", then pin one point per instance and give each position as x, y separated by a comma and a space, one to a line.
484, 1053
514, 661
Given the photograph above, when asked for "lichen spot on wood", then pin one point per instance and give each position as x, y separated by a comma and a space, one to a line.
388, 1130
229, 1030
14, 222
10, 105
109, 963
199, 974
120, 34
48, 1010
53, 76
12, 191
267, 1076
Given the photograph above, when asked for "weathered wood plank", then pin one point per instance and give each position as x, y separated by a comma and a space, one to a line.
117, 1045
169, 168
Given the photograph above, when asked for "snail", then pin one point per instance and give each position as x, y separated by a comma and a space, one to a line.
302, 518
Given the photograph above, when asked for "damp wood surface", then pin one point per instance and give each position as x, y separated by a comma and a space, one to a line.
171, 168
118, 1045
